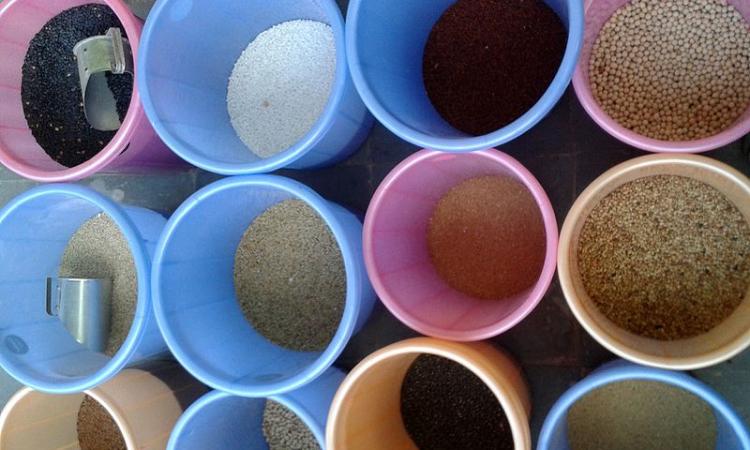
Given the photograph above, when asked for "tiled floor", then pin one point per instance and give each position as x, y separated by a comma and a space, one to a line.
566, 152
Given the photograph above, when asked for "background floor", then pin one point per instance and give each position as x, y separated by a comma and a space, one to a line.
566, 152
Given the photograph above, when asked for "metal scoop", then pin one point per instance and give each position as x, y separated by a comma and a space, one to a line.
83, 305
96, 56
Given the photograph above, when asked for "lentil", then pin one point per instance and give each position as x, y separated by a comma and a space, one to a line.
673, 70
666, 257
486, 237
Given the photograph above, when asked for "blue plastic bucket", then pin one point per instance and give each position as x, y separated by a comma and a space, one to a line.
194, 296
732, 433
35, 348
187, 53
385, 41
221, 420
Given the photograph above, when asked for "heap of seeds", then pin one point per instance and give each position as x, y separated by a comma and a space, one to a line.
283, 430
673, 70
666, 257
486, 237
98, 249
51, 90
444, 405
97, 430
289, 277
487, 62
280, 85
641, 415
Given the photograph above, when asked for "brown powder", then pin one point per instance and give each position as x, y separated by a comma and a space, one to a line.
97, 430
666, 257
486, 237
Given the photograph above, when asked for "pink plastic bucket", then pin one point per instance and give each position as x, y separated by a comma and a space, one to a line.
134, 146
597, 13
397, 258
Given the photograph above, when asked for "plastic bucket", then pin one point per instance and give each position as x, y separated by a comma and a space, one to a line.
134, 146
721, 343
144, 407
366, 411
732, 433
398, 260
186, 66
194, 295
220, 420
35, 348
597, 14
385, 42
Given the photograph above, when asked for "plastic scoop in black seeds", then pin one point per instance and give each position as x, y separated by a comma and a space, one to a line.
51, 90
444, 405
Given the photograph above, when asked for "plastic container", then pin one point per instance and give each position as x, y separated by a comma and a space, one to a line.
732, 433
144, 407
36, 349
222, 421
186, 66
385, 42
135, 146
597, 13
366, 411
721, 343
397, 257
194, 296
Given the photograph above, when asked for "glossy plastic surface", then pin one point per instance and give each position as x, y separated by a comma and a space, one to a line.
194, 294
398, 260
35, 348
188, 53
134, 147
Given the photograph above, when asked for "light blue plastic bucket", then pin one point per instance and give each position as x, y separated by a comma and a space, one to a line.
187, 53
35, 348
194, 296
385, 42
732, 433
223, 421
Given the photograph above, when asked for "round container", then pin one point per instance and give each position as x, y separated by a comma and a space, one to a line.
724, 341
385, 42
597, 13
135, 146
220, 420
186, 66
144, 407
35, 348
194, 295
398, 261
366, 411
732, 433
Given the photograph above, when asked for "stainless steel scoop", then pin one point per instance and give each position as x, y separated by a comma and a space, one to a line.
84, 307
96, 56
